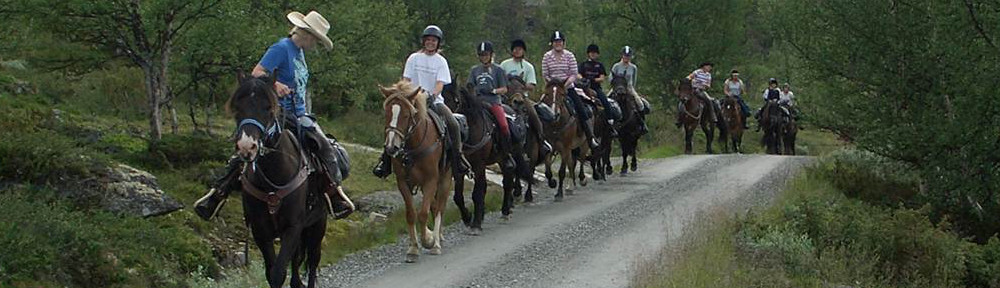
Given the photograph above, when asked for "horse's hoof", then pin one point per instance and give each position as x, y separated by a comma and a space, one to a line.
559, 198
569, 191
412, 258
427, 242
475, 231
505, 218
435, 251
552, 183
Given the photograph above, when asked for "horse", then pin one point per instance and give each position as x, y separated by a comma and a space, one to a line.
534, 140
566, 137
697, 112
789, 131
771, 120
481, 148
629, 126
293, 210
733, 116
600, 157
418, 150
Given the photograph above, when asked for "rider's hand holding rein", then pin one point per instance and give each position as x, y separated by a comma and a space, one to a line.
282, 89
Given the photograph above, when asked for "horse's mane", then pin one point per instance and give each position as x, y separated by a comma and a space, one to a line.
403, 89
685, 87
252, 86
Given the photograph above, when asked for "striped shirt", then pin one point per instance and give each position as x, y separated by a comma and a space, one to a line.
558, 66
701, 80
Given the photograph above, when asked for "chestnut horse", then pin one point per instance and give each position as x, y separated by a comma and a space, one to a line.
418, 155
733, 116
567, 139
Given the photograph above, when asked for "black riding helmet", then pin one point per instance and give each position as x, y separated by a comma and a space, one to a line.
628, 51
518, 43
433, 30
557, 36
703, 64
593, 48
484, 47
773, 81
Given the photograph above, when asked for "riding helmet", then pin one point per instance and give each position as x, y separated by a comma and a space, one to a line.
484, 47
628, 51
557, 36
703, 64
734, 71
773, 81
433, 30
518, 43
593, 48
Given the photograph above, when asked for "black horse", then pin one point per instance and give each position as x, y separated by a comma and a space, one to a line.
772, 121
281, 199
481, 148
629, 127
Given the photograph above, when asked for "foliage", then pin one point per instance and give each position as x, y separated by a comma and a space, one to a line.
911, 81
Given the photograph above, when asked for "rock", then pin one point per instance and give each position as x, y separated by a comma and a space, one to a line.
129, 191
382, 202
377, 218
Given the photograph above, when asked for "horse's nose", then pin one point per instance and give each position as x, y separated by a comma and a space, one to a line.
391, 149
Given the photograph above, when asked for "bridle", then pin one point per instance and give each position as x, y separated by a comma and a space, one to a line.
406, 154
271, 193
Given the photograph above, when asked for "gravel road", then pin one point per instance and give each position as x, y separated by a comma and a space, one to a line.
589, 240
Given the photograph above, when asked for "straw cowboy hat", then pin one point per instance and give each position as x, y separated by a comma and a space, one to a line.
314, 23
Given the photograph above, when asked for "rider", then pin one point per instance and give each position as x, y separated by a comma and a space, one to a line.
734, 88
288, 56
429, 70
490, 81
787, 100
630, 70
559, 66
701, 80
517, 66
594, 71
771, 93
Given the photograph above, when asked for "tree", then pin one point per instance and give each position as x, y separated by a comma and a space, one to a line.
144, 32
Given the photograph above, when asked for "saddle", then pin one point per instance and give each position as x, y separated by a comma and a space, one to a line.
343, 160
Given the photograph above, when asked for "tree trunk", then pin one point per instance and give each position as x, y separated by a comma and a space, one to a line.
153, 95
174, 122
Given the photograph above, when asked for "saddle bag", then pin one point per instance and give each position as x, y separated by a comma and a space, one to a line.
545, 112
646, 108
463, 125
343, 159
614, 109
518, 129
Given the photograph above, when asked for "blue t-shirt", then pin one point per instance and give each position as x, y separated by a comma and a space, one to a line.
290, 62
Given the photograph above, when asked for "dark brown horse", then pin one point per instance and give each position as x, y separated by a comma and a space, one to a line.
567, 138
733, 116
772, 122
600, 157
292, 209
481, 148
789, 131
629, 126
533, 146
417, 148
697, 112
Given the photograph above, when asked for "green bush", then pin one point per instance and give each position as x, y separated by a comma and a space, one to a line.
185, 150
42, 157
49, 241
871, 178
984, 265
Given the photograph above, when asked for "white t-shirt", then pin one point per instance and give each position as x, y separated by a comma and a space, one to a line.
787, 98
425, 70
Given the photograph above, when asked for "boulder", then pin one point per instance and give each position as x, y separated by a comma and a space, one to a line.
129, 191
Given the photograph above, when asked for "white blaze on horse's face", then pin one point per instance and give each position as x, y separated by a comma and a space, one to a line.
391, 141
246, 146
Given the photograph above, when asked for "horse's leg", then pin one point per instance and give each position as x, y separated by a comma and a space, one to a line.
313, 245
459, 198
290, 244
688, 134
634, 143
479, 198
438, 210
413, 251
570, 161
266, 246
709, 130
548, 171
509, 178
429, 187
562, 176
297, 259
607, 161
625, 153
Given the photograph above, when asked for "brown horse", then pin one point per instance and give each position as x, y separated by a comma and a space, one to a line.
286, 210
733, 117
417, 148
789, 131
772, 122
567, 138
697, 112
629, 126
534, 144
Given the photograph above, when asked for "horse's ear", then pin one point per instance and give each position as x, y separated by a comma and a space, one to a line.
385, 92
414, 94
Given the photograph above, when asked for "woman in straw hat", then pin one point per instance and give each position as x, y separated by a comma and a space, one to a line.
287, 57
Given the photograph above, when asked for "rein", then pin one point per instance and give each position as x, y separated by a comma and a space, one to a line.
412, 154
273, 193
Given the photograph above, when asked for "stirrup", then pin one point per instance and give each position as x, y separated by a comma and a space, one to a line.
203, 202
329, 204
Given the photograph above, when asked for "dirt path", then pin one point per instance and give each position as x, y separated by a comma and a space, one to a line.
589, 240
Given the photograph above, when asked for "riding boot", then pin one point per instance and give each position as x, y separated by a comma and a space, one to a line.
611, 126
209, 205
746, 125
589, 131
384, 166
643, 129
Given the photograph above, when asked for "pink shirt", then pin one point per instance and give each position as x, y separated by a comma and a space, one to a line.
558, 66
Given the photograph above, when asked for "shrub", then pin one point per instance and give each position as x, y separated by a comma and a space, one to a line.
871, 178
180, 151
42, 157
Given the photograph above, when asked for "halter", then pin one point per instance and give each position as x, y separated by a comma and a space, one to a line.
410, 155
268, 133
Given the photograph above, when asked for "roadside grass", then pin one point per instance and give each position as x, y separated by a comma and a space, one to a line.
815, 235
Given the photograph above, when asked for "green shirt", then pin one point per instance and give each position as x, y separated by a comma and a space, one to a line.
519, 68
